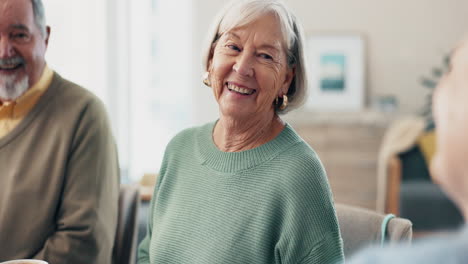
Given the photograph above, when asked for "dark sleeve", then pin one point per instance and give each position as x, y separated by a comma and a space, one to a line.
86, 219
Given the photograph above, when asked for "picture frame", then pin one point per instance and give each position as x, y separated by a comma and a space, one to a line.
336, 72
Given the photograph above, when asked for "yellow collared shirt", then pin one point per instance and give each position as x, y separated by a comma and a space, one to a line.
12, 113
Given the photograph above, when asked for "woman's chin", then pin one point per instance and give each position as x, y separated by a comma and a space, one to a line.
236, 113
236, 108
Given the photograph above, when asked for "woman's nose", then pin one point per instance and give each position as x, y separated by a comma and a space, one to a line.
244, 65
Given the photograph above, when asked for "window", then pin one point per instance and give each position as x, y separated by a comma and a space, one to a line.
136, 56
160, 79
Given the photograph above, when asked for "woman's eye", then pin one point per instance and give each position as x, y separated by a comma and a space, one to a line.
266, 56
233, 47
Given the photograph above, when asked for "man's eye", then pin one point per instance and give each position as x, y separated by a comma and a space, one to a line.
233, 47
20, 36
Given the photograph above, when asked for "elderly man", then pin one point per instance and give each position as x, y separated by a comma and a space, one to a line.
450, 169
58, 163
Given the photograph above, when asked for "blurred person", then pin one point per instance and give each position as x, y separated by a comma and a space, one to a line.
449, 168
59, 170
246, 188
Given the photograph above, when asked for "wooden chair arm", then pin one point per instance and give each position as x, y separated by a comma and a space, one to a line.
392, 205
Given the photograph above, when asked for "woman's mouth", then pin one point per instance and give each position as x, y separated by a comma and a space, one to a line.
244, 91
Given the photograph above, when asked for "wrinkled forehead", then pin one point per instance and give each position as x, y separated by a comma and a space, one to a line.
16, 12
261, 32
238, 18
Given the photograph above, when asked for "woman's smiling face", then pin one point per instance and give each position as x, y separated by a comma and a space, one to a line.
249, 69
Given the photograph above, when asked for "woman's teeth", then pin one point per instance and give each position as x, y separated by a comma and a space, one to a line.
240, 90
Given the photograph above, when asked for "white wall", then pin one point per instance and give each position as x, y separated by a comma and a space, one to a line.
404, 40
81, 27
82, 48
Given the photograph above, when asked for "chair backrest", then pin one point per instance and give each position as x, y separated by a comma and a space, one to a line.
361, 227
125, 238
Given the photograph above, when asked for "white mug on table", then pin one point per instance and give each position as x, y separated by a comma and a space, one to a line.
25, 261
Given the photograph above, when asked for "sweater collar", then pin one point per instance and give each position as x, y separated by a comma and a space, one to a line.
234, 162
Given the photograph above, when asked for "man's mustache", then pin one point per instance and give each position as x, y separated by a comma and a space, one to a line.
11, 61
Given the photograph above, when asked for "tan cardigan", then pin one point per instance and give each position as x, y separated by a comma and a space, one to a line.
59, 180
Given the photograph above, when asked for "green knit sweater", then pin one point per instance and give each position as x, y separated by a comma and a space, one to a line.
270, 204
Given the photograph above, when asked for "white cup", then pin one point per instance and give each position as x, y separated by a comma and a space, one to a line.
25, 261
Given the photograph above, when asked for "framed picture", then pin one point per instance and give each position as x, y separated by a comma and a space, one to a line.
336, 72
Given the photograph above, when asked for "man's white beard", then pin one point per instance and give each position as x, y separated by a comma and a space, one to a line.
11, 90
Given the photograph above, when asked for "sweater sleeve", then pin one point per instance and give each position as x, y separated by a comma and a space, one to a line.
86, 218
310, 232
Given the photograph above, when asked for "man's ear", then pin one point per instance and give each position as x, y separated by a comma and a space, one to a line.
291, 72
47, 35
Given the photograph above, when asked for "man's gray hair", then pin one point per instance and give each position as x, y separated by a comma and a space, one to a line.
39, 15
241, 13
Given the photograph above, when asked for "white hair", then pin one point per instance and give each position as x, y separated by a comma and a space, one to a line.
39, 15
241, 13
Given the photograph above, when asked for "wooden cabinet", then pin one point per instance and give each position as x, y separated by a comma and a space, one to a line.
349, 152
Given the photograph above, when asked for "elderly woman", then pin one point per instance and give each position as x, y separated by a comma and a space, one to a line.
246, 188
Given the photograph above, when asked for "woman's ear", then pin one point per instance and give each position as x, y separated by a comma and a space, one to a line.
291, 72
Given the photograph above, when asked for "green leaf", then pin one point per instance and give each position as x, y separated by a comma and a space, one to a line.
437, 72
447, 61
429, 83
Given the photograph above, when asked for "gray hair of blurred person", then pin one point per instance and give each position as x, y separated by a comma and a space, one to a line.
241, 13
39, 15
